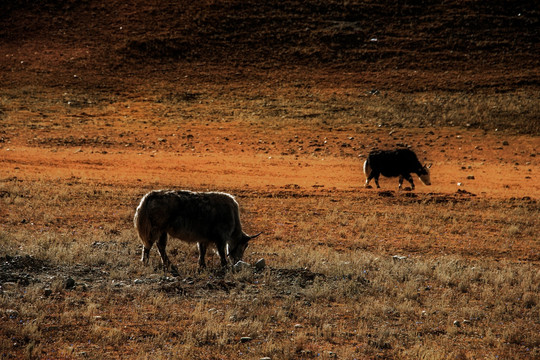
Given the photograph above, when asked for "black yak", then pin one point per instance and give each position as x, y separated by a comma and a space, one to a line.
394, 163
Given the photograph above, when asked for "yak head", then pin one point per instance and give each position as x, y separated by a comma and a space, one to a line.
423, 174
236, 251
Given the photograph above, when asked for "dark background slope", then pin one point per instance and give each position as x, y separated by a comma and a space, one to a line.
491, 43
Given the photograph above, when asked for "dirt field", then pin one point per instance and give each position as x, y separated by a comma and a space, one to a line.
278, 104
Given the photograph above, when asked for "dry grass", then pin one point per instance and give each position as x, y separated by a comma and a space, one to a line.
279, 108
351, 273
324, 294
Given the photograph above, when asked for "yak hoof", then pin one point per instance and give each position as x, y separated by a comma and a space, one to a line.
174, 271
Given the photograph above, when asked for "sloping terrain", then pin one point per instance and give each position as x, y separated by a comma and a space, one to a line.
469, 45
278, 103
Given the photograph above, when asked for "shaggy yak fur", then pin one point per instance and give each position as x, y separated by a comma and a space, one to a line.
201, 217
394, 163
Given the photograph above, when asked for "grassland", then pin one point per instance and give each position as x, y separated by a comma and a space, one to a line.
446, 271
98, 109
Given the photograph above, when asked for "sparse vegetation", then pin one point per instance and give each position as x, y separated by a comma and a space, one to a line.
324, 294
278, 104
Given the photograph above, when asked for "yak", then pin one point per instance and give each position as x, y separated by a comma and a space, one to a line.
198, 217
395, 163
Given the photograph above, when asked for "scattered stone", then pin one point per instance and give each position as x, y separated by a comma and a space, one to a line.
12, 314
459, 184
457, 323
505, 143
399, 257
70, 283
298, 326
138, 281
245, 339
266, 358
118, 284
260, 265
470, 177
47, 292
9, 285
466, 322
241, 265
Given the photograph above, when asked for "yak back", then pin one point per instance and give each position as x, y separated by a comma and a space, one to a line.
392, 163
194, 216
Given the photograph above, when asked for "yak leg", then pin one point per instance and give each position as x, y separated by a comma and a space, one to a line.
147, 246
368, 173
376, 178
202, 254
145, 255
400, 181
409, 179
221, 252
161, 245
367, 181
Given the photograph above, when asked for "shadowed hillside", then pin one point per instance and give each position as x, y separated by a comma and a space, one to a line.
112, 37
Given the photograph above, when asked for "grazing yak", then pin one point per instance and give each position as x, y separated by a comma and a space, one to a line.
201, 217
393, 163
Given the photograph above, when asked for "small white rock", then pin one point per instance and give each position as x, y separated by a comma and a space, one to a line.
240, 265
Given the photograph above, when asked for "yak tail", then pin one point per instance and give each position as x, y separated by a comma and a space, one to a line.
367, 167
142, 222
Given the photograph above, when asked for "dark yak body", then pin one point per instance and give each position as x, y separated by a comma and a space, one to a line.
201, 217
395, 163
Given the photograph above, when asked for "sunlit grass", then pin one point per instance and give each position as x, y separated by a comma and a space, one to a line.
349, 274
